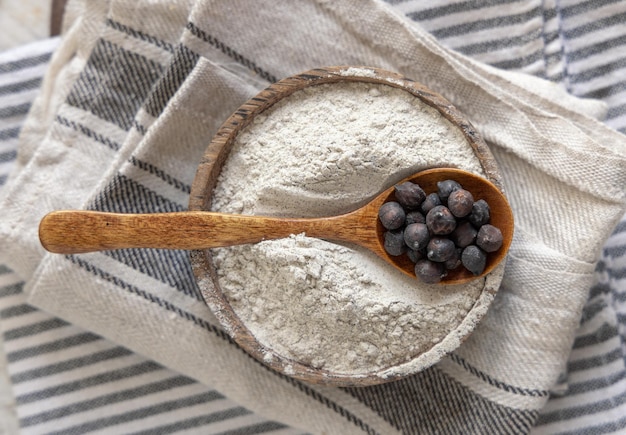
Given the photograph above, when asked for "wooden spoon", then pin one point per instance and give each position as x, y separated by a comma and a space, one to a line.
73, 231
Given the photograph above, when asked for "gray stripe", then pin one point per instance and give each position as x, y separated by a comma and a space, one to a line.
8, 156
617, 273
614, 251
230, 52
519, 62
597, 384
440, 11
140, 128
52, 346
605, 92
196, 422
608, 427
602, 267
109, 399
125, 195
604, 333
548, 13
11, 290
495, 382
145, 413
34, 329
499, 44
160, 173
171, 267
88, 132
586, 6
596, 48
594, 361
550, 36
612, 68
68, 365
599, 289
4, 269
25, 63
9, 133
593, 308
18, 110
582, 410
140, 35
26, 85
182, 63
102, 90
17, 310
103, 378
266, 426
3, 179
616, 111
487, 23
595, 25
168, 266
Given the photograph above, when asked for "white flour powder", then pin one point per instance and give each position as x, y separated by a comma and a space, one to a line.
323, 151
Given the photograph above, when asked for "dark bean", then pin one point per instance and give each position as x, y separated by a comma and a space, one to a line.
416, 236
440, 249
440, 221
409, 195
414, 255
446, 187
432, 200
440, 231
429, 272
394, 243
463, 235
474, 259
489, 238
414, 217
480, 213
454, 261
391, 215
460, 203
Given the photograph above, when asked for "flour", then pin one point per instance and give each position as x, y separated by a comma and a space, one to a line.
323, 151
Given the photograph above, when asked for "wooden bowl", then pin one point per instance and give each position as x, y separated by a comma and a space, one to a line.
206, 180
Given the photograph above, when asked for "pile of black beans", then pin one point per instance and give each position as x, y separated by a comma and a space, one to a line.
439, 231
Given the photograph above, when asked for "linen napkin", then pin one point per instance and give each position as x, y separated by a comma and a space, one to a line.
107, 141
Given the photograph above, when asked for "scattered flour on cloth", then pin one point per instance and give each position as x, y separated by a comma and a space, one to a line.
322, 151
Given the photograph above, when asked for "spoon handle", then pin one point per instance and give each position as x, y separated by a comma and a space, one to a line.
74, 231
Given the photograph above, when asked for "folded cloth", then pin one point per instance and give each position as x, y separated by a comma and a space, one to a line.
126, 88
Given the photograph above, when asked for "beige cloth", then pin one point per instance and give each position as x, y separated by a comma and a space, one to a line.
564, 173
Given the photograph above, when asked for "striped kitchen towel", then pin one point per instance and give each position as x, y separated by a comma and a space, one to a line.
107, 139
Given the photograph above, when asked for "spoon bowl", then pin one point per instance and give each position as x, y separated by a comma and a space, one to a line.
501, 217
